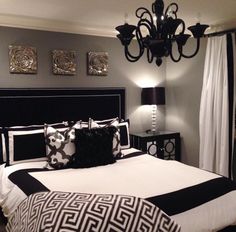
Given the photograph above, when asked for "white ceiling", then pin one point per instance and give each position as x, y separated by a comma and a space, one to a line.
100, 17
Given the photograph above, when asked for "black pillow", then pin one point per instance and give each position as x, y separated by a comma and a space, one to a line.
94, 147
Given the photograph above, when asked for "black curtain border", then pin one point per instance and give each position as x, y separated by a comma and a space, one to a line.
230, 64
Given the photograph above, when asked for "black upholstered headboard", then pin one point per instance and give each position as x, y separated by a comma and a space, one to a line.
37, 106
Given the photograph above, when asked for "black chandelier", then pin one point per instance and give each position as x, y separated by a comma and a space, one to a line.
161, 34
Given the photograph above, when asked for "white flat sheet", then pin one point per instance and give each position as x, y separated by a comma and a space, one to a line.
143, 176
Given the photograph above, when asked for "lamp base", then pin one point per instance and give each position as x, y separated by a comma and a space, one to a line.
154, 115
149, 131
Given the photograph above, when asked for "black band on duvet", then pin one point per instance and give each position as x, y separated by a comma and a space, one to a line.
133, 154
171, 203
188, 198
27, 183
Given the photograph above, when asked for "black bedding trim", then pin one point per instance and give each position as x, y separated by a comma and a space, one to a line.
27, 183
133, 154
3, 219
171, 203
188, 198
228, 229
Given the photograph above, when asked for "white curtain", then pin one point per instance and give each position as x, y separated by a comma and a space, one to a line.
214, 118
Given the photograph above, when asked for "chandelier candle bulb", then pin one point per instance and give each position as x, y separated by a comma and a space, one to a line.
126, 17
162, 30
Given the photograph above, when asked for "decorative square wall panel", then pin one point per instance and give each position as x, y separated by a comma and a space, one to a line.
64, 62
22, 59
97, 63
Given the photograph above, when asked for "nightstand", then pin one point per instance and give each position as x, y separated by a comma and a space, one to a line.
162, 144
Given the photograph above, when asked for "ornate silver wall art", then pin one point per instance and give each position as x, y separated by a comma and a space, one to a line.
23, 59
63, 62
97, 63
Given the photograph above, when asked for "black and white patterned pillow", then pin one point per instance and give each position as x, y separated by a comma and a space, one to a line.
79, 124
123, 131
116, 147
107, 122
60, 146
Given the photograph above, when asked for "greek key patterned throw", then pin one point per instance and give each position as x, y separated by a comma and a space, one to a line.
65, 211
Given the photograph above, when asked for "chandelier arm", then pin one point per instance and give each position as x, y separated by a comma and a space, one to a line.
139, 36
151, 28
173, 58
174, 12
141, 15
130, 57
183, 26
149, 56
140, 39
196, 51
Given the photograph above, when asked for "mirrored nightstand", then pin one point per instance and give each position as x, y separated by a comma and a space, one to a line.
162, 144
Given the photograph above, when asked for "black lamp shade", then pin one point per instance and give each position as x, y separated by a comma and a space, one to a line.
153, 96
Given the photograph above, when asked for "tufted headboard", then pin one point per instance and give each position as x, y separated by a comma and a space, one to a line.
37, 106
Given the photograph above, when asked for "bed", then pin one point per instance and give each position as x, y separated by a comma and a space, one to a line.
128, 191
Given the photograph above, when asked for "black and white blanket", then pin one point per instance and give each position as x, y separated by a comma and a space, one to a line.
64, 211
197, 200
172, 202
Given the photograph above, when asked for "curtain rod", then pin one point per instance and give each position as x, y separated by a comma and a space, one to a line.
219, 33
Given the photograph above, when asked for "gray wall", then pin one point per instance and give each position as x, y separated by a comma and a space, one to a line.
184, 84
122, 73
183, 80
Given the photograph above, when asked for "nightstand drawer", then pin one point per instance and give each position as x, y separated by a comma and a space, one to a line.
163, 144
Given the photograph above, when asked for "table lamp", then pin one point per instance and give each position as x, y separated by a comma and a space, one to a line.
153, 96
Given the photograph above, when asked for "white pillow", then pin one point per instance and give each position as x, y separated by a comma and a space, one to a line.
124, 135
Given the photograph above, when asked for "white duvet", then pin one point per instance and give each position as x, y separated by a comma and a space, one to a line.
142, 176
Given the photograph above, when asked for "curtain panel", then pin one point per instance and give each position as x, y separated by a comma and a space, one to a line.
216, 118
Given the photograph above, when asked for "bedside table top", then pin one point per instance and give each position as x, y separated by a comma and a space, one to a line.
145, 134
